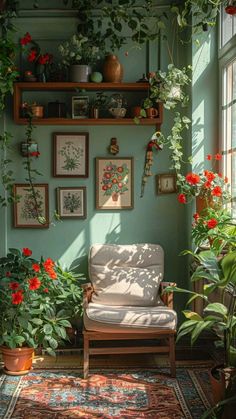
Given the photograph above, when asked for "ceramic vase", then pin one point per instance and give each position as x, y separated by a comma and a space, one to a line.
79, 73
112, 69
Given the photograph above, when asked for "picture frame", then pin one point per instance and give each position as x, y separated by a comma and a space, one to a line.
24, 214
71, 202
166, 183
114, 183
70, 154
80, 107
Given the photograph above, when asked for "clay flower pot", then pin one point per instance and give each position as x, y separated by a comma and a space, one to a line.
17, 361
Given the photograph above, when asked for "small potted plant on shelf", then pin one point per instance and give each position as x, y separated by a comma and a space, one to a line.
99, 102
38, 300
79, 53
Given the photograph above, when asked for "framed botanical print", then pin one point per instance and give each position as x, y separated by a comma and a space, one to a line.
114, 183
31, 206
71, 202
70, 154
166, 183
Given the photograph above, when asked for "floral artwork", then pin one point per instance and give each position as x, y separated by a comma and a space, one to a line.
31, 206
71, 154
114, 183
71, 202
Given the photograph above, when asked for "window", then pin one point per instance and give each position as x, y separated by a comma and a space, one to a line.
229, 127
227, 61
228, 27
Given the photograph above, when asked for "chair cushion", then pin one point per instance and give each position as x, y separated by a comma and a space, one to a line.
126, 274
99, 317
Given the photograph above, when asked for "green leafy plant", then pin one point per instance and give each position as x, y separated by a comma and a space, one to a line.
79, 49
218, 317
214, 227
38, 300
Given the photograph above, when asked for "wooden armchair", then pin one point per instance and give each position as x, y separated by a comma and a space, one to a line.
132, 275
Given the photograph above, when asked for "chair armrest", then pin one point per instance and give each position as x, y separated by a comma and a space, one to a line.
167, 296
87, 293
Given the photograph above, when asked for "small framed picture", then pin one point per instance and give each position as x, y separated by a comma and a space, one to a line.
71, 202
70, 154
31, 206
166, 183
80, 107
114, 183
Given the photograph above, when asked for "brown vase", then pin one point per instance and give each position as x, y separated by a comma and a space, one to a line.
17, 361
112, 69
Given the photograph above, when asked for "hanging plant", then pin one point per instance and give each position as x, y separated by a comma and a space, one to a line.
8, 75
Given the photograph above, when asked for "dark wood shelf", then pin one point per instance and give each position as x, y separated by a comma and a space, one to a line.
20, 87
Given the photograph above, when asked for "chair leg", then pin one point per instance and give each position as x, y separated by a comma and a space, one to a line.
86, 355
172, 355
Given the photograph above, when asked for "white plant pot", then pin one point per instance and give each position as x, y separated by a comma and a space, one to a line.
79, 73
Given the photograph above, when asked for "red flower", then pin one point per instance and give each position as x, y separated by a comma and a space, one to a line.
8, 273
192, 178
26, 39
218, 156
44, 59
45, 290
226, 179
26, 251
182, 198
217, 191
35, 154
17, 297
36, 267
207, 184
14, 285
209, 175
32, 55
212, 223
52, 274
196, 216
209, 157
48, 262
34, 283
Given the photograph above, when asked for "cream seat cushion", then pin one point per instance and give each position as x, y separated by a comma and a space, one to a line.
129, 319
126, 275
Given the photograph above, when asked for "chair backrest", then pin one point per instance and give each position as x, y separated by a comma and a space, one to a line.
126, 275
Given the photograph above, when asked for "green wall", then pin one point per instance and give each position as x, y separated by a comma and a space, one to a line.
155, 218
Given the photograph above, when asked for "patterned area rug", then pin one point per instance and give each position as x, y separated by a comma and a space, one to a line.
109, 395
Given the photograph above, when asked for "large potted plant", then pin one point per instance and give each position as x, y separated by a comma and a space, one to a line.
38, 300
219, 312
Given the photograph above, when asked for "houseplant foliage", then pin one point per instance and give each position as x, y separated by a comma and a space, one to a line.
8, 74
38, 299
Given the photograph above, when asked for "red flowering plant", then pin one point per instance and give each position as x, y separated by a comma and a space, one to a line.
209, 185
214, 228
34, 55
38, 299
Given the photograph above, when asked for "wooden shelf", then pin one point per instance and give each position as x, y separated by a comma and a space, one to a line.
20, 87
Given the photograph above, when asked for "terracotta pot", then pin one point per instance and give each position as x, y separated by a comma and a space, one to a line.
17, 361
217, 383
202, 203
112, 69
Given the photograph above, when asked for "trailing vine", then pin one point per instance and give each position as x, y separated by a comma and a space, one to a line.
8, 74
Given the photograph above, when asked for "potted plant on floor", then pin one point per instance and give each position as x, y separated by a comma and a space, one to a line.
38, 300
219, 313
